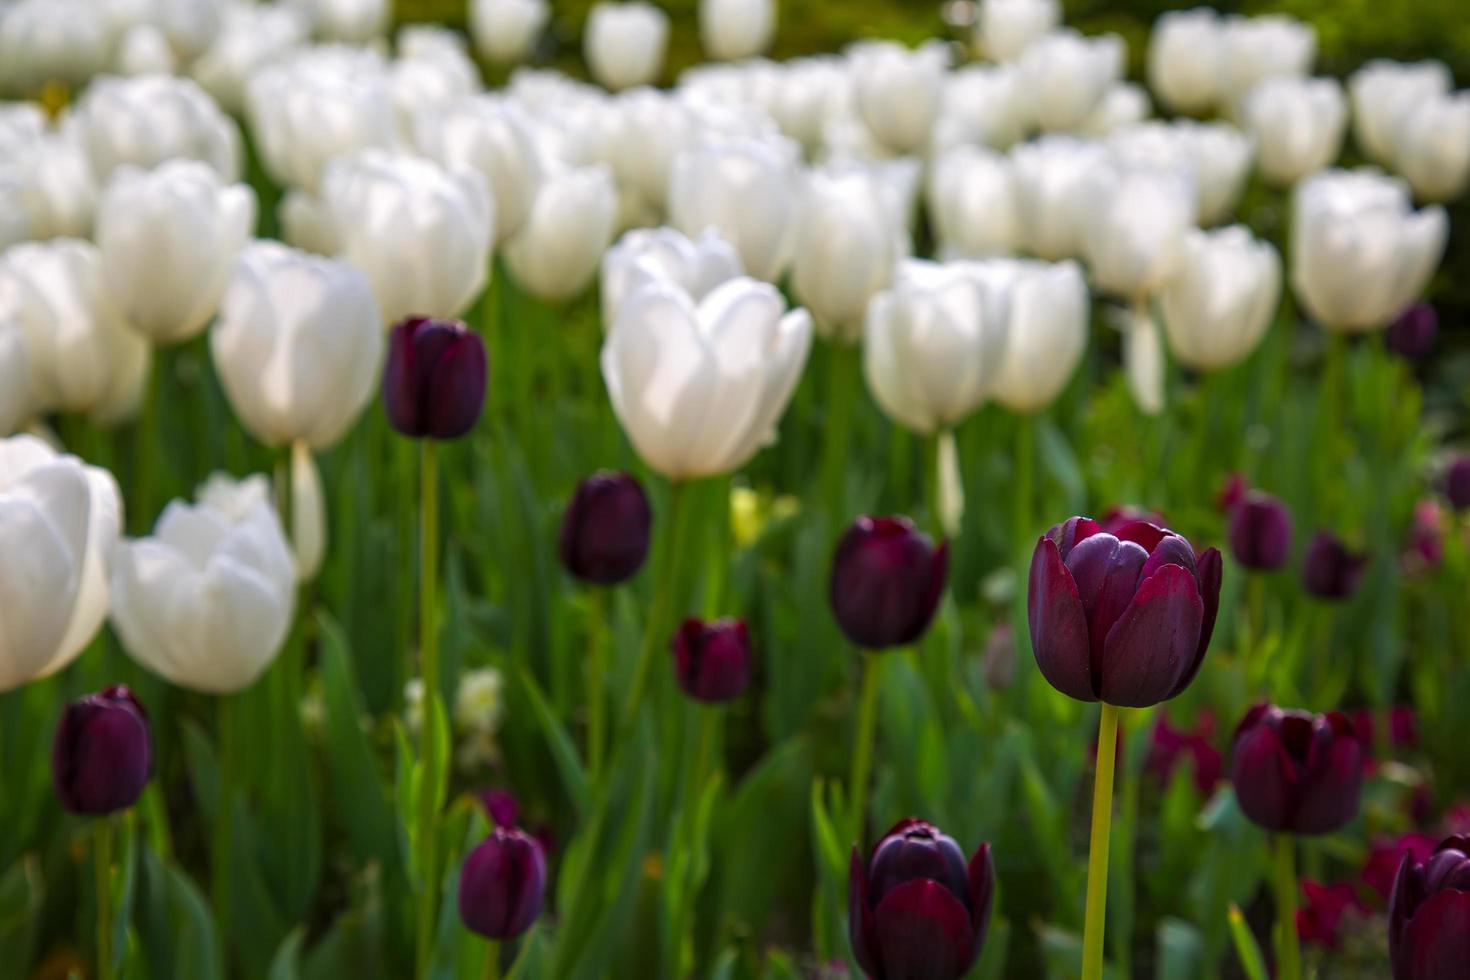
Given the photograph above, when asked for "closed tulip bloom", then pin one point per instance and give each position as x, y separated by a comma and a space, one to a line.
350, 21
16, 406
1413, 334
1330, 569
1006, 28
57, 192
422, 234
1134, 230
1383, 92
1457, 482
898, 91
297, 346
605, 530
433, 69
1295, 772
306, 223
695, 265
1053, 191
1121, 618
624, 43
748, 190
1432, 147
1258, 48
712, 660
1429, 914
493, 137
1260, 532
250, 37
648, 131
50, 40
556, 253
143, 50
507, 31
846, 247
1042, 309
1065, 75
434, 384
1360, 253
207, 601
1298, 125
102, 755
148, 119
1220, 301
1186, 59
887, 579
502, 885
918, 910
1123, 104
733, 29
971, 197
1221, 157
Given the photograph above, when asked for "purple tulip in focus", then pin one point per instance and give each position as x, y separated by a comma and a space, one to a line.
502, 884
434, 383
886, 582
1295, 772
102, 756
1429, 914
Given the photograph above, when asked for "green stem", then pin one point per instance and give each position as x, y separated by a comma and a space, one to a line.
862, 757
596, 665
492, 960
1255, 598
429, 668
709, 730
1097, 860
842, 379
656, 632
103, 847
1025, 469
145, 433
224, 806
1288, 945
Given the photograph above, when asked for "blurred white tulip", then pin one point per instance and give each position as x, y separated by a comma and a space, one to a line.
166, 239
1186, 59
1297, 124
1222, 157
307, 223
59, 521
733, 29
748, 191
15, 378
50, 40
1042, 308
492, 136
59, 192
982, 104
349, 21
148, 119
206, 602
846, 248
1051, 176
1383, 92
144, 50
556, 253
421, 233
1218, 304
1258, 48
250, 37
15, 223
624, 43
308, 513
1360, 254
1123, 104
646, 255
507, 31
649, 130
1064, 77
1143, 358
806, 96
1133, 231
898, 90
1006, 28
1432, 147
187, 27
433, 69
699, 388
972, 202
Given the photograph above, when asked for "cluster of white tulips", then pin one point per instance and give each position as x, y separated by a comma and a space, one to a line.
700, 209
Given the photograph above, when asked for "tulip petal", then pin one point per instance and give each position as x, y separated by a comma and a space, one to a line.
1265, 778
1435, 943
982, 895
1153, 643
860, 917
1058, 624
1210, 570
922, 932
1332, 780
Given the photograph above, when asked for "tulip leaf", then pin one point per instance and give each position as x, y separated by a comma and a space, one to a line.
1179, 954
286, 964
1246, 948
22, 897
573, 777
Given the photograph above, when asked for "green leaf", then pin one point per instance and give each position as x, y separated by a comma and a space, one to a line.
1246, 948
563, 752
22, 897
1180, 951
286, 964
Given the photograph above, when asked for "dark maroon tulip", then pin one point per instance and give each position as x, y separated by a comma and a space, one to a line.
712, 660
886, 582
502, 884
1231, 492
918, 911
1122, 618
1429, 915
1412, 335
434, 384
1121, 515
604, 533
502, 806
103, 753
1319, 921
1297, 772
1424, 549
1260, 532
1332, 570
1457, 482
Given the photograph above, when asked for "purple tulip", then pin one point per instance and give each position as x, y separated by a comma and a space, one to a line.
1123, 618
502, 884
502, 807
1457, 482
886, 582
1260, 532
1297, 772
434, 384
604, 533
1429, 914
103, 753
1412, 335
712, 660
918, 911
1331, 570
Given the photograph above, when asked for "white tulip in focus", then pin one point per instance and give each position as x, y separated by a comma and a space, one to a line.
206, 602
730, 30
420, 232
748, 191
1005, 28
167, 239
898, 91
1382, 94
1217, 306
251, 36
972, 203
298, 345
1133, 232
982, 105
625, 43
507, 31
1065, 76
50, 40
1298, 126
846, 248
1042, 308
493, 136
1258, 48
1051, 176
1360, 253
59, 521
646, 255
700, 387
1186, 59
147, 119
350, 21
556, 253
1432, 147
144, 50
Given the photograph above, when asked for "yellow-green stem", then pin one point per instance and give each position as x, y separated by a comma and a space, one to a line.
656, 630
1023, 491
1095, 920
862, 756
103, 847
1288, 945
492, 960
146, 433
224, 806
429, 672
596, 665
1255, 599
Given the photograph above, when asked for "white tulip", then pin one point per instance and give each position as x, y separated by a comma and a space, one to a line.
1051, 176
898, 91
1432, 147
805, 97
297, 346
307, 223
350, 21
1143, 357
420, 232
1042, 308
1222, 156
1258, 48
646, 255
187, 27
308, 513
982, 105
700, 388
50, 40
1004, 29
1360, 254
846, 248
649, 131
507, 31
1298, 126
492, 136
1123, 104
251, 36
1065, 76
15, 224
206, 602
60, 194
433, 69
1133, 232
625, 43
1186, 59
748, 191
83, 356
972, 203
167, 239
15, 378
147, 119
556, 253
144, 50
59, 521
1218, 305
1383, 92
733, 29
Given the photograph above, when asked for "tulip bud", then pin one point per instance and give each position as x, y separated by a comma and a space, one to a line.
1065, 76
1382, 94
1219, 304
1045, 310
506, 31
1186, 51
1330, 569
731, 30
1432, 147
918, 909
501, 806
1260, 532
887, 579
1412, 335
625, 43
1006, 28
103, 753
712, 660
149, 119
503, 884
1231, 492
557, 251
604, 533
1429, 914
1258, 48
1457, 483
1298, 125
897, 91
1295, 772
434, 384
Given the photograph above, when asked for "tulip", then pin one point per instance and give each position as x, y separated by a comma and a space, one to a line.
50, 40
1169, 746
918, 910
56, 190
1134, 226
1260, 532
898, 91
1064, 76
887, 579
1457, 482
144, 50
250, 37
1219, 303
646, 255
846, 247
624, 43
981, 105
712, 660
350, 21
502, 885
1321, 920
434, 384
1432, 147
502, 807
1053, 193
1383, 92
748, 191
1042, 309
433, 69
15, 380
1412, 335
507, 31
605, 530
306, 223
1258, 48
1220, 156
556, 253
1295, 772
150, 119
1360, 254
648, 131
102, 756
1429, 914
493, 137
421, 233
1298, 125
1004, 29
730, 30
972, 203
1384, 857
1186, 59
1330, 569
1122, 105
